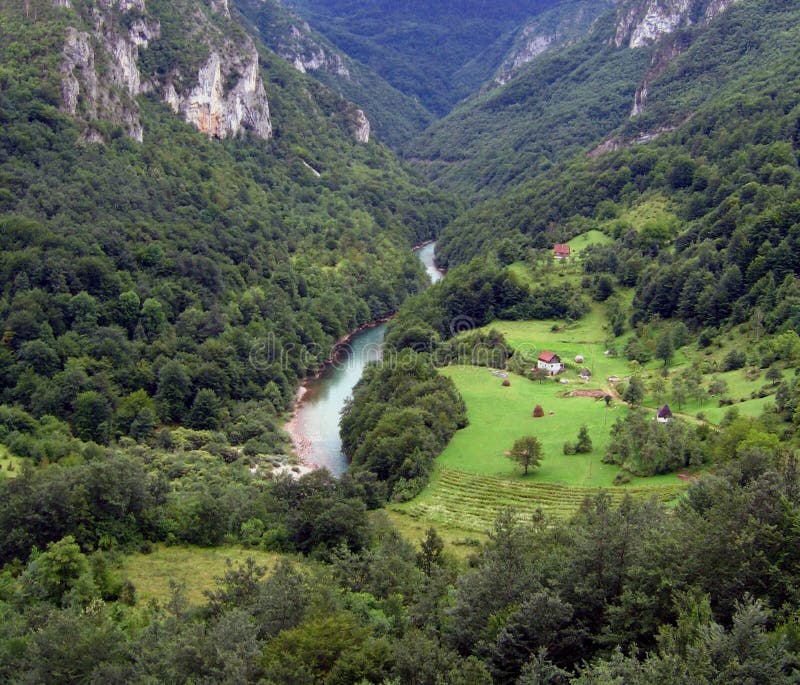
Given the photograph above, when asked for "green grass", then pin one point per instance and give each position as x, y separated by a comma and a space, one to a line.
468, 503
473, 478
499, 416
579, 243
653, 208
744, 386
195, 567
586, 337
459, 542
10, 465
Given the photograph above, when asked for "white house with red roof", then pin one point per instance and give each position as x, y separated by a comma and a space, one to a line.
550, 362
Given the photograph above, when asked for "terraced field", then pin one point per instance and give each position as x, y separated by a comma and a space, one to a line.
470, 502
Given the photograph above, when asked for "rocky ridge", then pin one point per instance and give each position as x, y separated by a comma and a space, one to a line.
556, 28
101, 75
644, 23
640, 24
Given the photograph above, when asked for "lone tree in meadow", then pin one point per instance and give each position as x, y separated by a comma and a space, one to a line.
527, 452
584, 444
634, 393
665, 348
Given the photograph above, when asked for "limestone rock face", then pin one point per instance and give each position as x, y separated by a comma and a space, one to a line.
645, 22
86, 95
362, 127
300, 49
108, 38
217, 113
641, 23
221, 7
550, 30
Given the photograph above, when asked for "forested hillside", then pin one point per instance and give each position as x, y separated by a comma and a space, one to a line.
569, 101
188, 225
726, 178
394, 116
184, 280
438, 52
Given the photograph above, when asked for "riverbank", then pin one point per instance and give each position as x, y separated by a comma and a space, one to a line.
301, 445
313, 426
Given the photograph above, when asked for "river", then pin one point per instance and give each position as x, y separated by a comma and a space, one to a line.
315, 424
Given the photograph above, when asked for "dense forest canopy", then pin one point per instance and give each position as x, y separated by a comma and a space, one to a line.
148, 277
160, 301
440, 52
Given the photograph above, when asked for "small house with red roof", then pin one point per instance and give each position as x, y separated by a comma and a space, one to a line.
550, 362
664, 414
561, 251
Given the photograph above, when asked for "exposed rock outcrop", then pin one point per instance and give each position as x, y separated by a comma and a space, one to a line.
226, 97
362, 127
220, 114
88, 97
553, 29
299, 48
221, 7
643, 22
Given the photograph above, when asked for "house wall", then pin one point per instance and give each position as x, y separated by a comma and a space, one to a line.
553, 368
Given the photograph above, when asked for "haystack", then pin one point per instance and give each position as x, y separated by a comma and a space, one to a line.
538, 412
506, 383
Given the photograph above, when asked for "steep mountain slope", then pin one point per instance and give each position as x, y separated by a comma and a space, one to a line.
151, 264
393, 116
438, 52
564, 23
566, 99
714, 147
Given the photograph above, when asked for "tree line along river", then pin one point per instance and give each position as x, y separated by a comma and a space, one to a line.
315, 425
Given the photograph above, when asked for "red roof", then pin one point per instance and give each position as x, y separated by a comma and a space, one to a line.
548, 357
665, 412
561, 249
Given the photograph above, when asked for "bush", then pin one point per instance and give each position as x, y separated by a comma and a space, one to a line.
584, 444
735, 359
569, 448
706, 337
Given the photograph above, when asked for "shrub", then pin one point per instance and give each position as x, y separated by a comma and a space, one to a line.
584, 444
735, 359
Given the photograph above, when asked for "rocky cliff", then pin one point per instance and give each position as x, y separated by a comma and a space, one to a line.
562, 25
102, 74
641, 23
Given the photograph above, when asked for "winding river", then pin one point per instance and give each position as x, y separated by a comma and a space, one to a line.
314, 426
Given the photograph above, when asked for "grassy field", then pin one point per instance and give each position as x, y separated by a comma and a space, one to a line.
464, 506
473, 478
593, 237
499, 416
653, 208
9, 465
194, 567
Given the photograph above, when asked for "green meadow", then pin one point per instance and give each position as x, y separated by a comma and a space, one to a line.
584, 240
9, 464
500, 415
195, 569
473, 478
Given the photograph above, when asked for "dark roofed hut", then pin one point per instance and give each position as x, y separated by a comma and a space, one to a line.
664, 414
